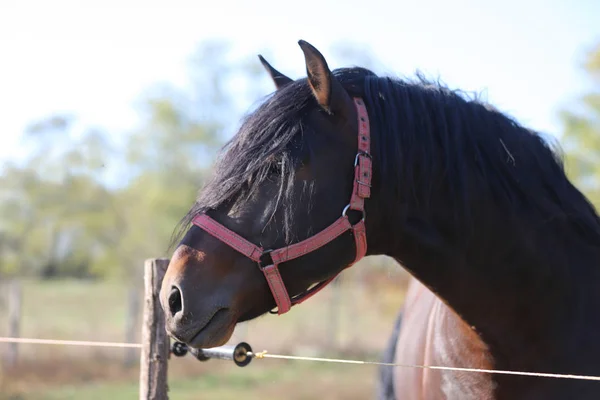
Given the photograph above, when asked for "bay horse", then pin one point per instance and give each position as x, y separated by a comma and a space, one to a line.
503, 248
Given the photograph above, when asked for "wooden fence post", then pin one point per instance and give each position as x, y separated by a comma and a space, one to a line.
14, 321
155, 342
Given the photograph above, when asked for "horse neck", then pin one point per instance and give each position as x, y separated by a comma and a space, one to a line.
529, 288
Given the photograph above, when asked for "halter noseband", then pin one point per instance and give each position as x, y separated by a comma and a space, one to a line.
361, 190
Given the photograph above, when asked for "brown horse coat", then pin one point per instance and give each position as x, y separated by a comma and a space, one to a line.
433, 334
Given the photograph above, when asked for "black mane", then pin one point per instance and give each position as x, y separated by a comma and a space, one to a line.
426, 134
263, 143
429, 134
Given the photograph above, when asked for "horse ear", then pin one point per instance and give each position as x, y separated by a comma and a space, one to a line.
279, 79
328, 91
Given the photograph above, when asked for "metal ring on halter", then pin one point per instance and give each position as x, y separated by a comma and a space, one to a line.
345, 210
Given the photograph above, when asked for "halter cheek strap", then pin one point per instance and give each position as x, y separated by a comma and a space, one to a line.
360, 191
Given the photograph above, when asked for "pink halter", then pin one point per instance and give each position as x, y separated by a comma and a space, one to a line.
360, 191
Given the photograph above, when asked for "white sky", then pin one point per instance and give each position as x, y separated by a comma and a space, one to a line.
93, 58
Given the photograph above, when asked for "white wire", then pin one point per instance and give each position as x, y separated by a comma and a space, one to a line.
264, 354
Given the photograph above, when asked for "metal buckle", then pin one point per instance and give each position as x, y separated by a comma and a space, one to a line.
356, 161
361, 153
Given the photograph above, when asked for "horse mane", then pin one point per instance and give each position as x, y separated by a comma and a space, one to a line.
425, 129
266, 142
426, 134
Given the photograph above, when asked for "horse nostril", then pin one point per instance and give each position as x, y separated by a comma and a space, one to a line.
175, 305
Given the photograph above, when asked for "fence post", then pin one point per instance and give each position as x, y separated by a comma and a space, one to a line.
14, 321
155, 342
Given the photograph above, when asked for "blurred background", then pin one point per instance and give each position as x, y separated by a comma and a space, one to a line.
111, 114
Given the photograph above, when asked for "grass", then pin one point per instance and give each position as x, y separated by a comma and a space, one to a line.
354, 322
292, 381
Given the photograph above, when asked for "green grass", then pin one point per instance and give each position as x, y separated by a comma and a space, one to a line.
73, 310
292, 381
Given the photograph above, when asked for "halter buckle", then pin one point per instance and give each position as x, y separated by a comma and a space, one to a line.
361, 153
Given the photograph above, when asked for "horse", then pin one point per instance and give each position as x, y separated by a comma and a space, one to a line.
503, 249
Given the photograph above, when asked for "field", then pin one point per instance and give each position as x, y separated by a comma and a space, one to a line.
353, 320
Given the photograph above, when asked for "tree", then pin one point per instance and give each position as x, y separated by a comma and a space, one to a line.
53, 204
581, 139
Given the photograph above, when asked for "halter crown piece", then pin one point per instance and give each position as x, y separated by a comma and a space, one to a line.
360, 191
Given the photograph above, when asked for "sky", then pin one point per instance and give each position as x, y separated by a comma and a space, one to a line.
94, 58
